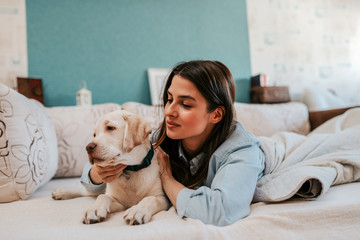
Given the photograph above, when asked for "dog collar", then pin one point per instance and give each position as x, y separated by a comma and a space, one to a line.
145, 163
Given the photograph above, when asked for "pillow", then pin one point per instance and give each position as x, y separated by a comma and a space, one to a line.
153, 115
319, 117
317, 99
74, 126
267, 119
28, 148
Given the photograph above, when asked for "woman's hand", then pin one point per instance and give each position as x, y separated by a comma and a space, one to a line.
164, 162
106, 174
170, 185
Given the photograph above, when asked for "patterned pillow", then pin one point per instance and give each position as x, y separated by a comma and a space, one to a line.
28, 149
74, 126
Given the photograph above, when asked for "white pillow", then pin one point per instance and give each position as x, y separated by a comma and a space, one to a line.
28, 147
153, 115
317, 99
74, 126
268, 119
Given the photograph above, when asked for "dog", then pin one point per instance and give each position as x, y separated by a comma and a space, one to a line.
122, 137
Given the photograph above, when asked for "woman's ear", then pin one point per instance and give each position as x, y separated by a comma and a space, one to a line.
218, 114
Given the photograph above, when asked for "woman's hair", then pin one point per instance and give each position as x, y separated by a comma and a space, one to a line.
215, 82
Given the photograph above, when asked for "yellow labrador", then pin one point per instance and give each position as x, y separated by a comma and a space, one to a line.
122, 137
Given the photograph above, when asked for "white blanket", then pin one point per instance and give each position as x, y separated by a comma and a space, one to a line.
307, 166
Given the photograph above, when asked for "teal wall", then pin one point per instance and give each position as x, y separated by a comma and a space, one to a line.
110, 44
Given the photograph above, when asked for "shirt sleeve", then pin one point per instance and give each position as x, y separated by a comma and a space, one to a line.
86, 180
230, 194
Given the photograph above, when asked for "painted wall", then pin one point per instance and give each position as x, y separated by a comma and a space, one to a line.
307, 44
111, 44
13, 52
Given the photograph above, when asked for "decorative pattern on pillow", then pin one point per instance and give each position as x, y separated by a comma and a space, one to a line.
28, 148
74, 126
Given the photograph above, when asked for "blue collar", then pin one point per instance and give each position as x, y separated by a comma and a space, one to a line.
145, 163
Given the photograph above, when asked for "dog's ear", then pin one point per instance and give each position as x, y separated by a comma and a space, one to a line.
136, 131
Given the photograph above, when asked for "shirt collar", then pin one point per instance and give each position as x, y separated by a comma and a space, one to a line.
194, 163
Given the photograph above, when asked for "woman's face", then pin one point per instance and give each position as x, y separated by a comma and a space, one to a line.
186, 114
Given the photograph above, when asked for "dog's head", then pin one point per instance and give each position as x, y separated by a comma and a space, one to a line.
115, 137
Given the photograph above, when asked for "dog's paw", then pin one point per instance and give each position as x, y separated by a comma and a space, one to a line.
95, 215
137, 215
60, 194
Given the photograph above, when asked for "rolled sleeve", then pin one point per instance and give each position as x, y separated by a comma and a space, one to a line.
86, 181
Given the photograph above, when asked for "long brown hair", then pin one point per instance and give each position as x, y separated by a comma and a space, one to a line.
215, 82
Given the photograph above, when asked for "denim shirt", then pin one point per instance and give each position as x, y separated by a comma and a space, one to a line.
226, 194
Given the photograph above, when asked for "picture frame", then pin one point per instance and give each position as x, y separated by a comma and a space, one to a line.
157, 77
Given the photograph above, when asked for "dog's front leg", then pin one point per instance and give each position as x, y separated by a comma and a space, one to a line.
103, 206
143, 211
63, 194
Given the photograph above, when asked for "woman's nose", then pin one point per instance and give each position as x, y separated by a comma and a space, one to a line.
170, 110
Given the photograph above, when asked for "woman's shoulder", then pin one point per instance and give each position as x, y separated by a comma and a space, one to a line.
241, 135
238, 139
241, 147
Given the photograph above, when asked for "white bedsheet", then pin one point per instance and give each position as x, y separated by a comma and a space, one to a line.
335, 215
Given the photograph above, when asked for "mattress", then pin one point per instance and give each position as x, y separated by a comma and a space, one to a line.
335, 215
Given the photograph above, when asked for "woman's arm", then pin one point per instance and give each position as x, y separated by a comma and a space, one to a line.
227, 198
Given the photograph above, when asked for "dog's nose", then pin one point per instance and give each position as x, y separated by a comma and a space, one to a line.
90, 147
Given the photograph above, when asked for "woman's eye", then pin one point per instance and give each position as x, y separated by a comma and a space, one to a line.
186, 106
110, 128
170, 100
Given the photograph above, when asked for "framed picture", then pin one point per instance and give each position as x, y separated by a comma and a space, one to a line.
157, 78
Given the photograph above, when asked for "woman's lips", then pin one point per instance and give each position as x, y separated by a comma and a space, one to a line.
170, 124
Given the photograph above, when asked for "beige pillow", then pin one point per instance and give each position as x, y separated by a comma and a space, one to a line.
153, 115
74, 126
268, 119
28, 148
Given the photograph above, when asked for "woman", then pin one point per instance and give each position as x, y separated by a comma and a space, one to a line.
210, 163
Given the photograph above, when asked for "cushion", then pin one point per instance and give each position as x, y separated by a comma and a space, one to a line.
267, 119
28, 148
153, 115
74, 126
319, 117
317, 99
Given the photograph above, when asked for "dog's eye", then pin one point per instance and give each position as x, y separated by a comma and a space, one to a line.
110, 128
94, 134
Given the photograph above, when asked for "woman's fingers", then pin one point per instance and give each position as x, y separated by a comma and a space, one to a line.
162, 155
110, 173
164, 162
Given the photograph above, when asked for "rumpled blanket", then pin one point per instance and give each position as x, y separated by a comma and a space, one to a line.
306, 166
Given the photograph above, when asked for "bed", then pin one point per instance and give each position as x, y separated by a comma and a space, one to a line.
42, 149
